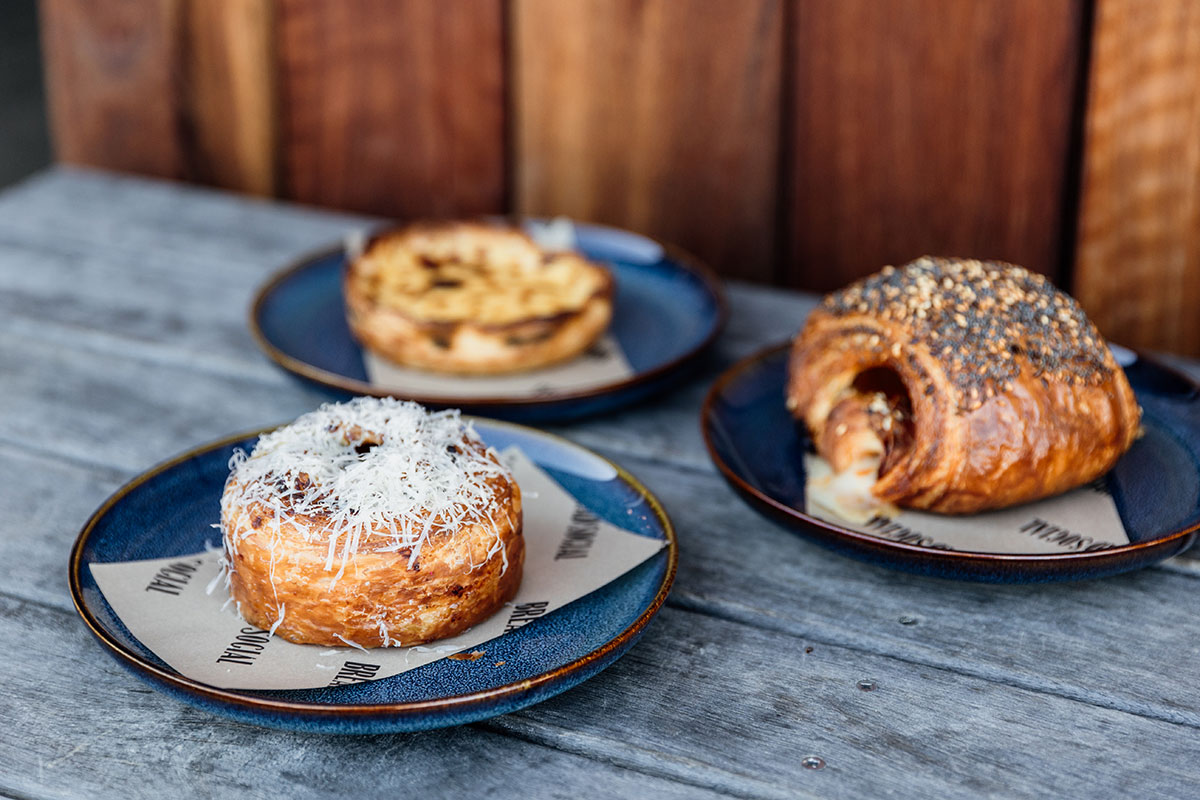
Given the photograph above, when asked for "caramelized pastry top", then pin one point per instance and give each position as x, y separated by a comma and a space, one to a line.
986, 321
1005, 392
463, 272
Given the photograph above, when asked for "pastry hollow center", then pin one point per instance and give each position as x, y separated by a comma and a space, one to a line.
868, 431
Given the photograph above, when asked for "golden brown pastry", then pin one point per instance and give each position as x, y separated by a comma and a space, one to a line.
956, 385
474, 299
371, 523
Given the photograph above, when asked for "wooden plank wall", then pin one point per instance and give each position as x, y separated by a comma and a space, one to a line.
928, 126
658, 115
1138, 268
404, 116
797, 142
229, 94
393, 106
113, 84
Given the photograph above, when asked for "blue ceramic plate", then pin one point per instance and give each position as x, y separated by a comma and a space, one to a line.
168, 510
668, 309
1156, 485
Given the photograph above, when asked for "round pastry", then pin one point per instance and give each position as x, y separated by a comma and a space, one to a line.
371, 523
470, 298
956, 385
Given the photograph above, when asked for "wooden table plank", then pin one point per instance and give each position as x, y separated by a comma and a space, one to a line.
664, 429
128, 414
70, 290
719, 694
1125, 642
755, 578
196, 305
81, 727
700, 700
736, 579
122, 218
46, 501
130, 248
725, 694
127, 213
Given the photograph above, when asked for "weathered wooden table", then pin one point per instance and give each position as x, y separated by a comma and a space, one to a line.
123, 341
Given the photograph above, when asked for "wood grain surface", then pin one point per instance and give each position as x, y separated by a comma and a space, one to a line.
1138, 258
787, 142
393, 106
928, 126
172, 88
122, 341
112, 83
230, 97
656, 115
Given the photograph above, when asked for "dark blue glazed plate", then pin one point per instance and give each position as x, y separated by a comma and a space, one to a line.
168, 511
1156, 485
667, 310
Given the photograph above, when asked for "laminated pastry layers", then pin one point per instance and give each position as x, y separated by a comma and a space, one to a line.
956, 385
194, 627
371, 523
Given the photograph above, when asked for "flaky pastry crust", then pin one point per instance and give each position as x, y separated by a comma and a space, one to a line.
471, 298
290, 569
435, 598
985, 385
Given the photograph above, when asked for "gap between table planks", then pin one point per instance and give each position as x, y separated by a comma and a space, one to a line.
105, 366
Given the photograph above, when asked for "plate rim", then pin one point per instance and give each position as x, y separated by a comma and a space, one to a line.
948, 557
707, 277
253, 703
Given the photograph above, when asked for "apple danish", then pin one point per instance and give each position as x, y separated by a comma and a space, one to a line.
471, 298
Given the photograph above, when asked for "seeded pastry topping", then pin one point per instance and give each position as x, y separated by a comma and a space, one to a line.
988, 320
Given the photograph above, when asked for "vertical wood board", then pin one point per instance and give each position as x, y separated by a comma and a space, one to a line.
1137, 269
928, 126
393, 106
229, 64
112, 79
657, 115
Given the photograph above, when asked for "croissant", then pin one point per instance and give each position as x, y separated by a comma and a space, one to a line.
955, 386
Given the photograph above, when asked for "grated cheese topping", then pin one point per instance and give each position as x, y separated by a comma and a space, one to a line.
371, 472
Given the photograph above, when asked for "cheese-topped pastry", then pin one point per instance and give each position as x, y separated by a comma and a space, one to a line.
956, 385
371, 523
474, 299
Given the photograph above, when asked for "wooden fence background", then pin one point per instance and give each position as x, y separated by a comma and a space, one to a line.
796, 142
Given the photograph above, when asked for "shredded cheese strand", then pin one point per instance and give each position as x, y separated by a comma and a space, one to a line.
372, 470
